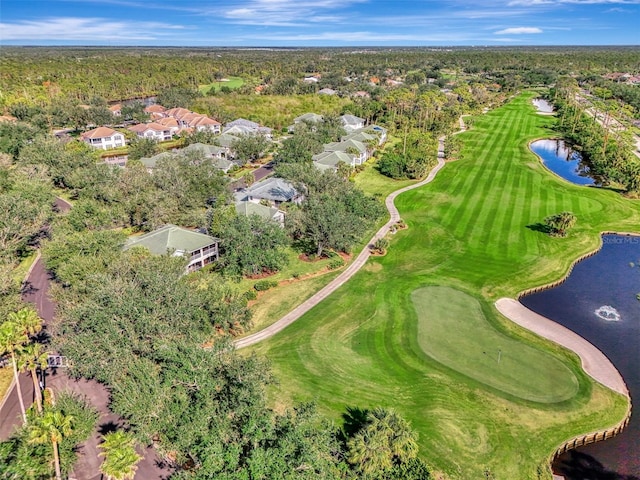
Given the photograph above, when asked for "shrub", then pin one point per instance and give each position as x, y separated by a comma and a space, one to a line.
251, 295
335, 263
380, 246
265, 285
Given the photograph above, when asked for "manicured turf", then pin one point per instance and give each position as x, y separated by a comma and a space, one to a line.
232, 83
453, 329
470, 230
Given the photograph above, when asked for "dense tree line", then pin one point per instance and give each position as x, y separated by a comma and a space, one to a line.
41, 74
607, 149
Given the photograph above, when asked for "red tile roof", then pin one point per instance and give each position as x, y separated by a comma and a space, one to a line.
99, 132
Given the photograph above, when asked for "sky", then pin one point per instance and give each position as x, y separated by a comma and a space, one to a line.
288, 23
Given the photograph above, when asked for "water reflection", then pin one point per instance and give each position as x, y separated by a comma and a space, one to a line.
564, 162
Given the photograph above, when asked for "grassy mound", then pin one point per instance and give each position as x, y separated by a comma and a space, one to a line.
453, 329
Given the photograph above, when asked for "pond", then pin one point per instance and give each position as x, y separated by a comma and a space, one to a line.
558, 157
543, 106
598, 302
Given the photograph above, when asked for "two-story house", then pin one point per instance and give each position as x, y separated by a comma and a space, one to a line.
103, 138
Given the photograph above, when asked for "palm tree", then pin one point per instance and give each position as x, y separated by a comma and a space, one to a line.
51, 427
11, 339
27, 320
120, 456
559, 224
31, 357
386, 440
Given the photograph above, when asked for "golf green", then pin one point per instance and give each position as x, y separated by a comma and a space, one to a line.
453, 329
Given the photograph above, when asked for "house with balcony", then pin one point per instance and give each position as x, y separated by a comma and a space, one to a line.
103, 138
352, 123
152, 130
358, 149
116, 110
198, 248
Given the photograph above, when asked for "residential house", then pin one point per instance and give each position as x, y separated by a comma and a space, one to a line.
327, 91
351, 122
310, 79
378, 131
177, 112
310, 118
218, 154
238, 130
243, 123
247, 208
272, 190
116, 110
362, 94
153, 131
330, 160
103, 138
156, 109
358, 149
151, 162
197, 121
200, 249
156, 112
170, 123
242, 126
226, 142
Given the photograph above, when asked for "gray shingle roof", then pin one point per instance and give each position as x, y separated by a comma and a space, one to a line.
274, 189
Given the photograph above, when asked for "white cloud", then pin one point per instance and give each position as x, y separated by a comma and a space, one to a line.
518, 31
283, 12
85, 29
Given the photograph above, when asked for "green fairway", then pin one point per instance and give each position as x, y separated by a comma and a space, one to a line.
232, 83
471, 230
453, 329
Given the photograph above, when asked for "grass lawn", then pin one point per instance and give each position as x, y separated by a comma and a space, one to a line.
365, 345
6, 375
20, 272
491, 357
232, 83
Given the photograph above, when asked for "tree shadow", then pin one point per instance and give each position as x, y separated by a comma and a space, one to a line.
107, 427
540, 227
579, 466
354, 419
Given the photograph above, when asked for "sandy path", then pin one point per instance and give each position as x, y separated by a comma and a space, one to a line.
594, 362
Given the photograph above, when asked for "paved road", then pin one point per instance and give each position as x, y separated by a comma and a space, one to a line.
356, 265
594, 362
35, 291
263, 171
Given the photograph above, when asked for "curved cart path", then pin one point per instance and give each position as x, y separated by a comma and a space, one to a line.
594, 362
356, 265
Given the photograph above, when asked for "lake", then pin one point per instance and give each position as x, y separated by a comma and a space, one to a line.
558, 157
598, 302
